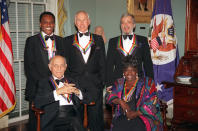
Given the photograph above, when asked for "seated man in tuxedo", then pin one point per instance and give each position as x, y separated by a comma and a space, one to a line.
60, 98
39, 49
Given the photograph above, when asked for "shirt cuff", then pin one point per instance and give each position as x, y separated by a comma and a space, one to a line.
80, 96
55, 95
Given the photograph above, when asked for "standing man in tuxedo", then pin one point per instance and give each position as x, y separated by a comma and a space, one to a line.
128, 44
59, 97
86, 63
100, 31
39, 49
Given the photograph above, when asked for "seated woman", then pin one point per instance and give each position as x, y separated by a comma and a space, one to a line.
136, 101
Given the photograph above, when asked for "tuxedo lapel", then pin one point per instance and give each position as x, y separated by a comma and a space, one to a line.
137, 45
77, 51
56, 45
59, 48
79, 54
93, 49
119, 46
52, 83
43, 50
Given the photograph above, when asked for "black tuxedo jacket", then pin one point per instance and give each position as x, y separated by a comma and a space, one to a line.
36, 62
44, 99
90, 75
114, 59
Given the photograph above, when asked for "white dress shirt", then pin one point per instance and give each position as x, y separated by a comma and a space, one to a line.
83, 41
127, 43
49, 45
61, 99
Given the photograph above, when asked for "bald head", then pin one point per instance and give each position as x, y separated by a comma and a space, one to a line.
99, 30
81, 12
82, 21
57, 66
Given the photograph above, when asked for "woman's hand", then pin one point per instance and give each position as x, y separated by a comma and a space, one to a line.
129, 113
109, 89
122, 103
132, 114
124, 106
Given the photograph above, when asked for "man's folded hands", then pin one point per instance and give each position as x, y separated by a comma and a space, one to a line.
68, 88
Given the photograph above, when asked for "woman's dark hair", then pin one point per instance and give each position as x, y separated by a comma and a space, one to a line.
130, 61
47, 13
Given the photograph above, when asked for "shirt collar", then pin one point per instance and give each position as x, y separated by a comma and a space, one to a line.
55, 78
44, 34
83, 32
128, 34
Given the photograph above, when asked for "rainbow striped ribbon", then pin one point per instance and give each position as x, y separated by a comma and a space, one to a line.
83, 50
46, 47
128, 95
122, 50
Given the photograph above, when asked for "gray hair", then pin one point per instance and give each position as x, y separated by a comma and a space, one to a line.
81, 11
127, 14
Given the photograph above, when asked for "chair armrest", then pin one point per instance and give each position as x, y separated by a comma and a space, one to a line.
85, 121
37, 110
38, 113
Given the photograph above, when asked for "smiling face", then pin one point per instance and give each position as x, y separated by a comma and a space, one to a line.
82, 21
47, 24
58, 66
127, 24
130, 73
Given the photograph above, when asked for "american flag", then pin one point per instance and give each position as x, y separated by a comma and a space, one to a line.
7, 82
155, 43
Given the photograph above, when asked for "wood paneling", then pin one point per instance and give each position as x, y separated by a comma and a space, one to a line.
191, 34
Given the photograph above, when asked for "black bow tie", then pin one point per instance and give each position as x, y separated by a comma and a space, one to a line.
81, 34
51, 37
58, 81
129, 36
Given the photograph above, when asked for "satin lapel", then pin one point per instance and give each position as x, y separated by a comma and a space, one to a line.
44, 52
137, 46
52, 86
57, 46
77, 51
119, 45
93, 48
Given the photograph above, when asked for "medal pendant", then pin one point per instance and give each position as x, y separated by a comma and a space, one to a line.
84, 51
46, 48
